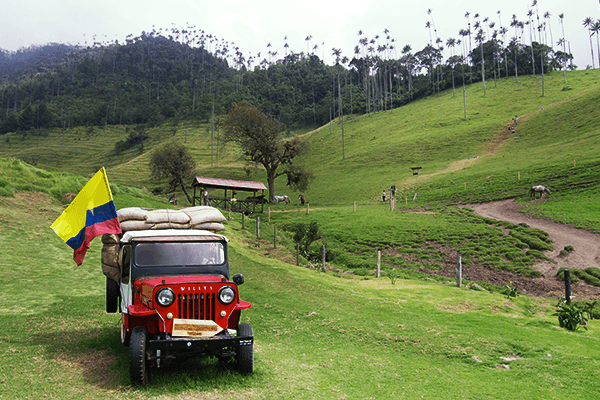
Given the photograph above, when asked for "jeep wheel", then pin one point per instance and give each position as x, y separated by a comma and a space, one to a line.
112, 296
139, 367
245, 357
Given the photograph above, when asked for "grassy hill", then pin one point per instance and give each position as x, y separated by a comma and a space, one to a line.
334, 334
318, 336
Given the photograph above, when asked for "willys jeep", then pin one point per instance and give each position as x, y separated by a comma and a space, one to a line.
176, 299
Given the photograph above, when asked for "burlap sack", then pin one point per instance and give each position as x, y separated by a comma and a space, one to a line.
131, 213
210, 226
135, 226
170, 225
111, 255
172, 216
201, 214
111, 272
111, 238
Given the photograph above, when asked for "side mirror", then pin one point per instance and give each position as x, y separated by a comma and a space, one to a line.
238, 279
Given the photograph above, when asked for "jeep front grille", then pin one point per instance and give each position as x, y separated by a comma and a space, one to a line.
196, 306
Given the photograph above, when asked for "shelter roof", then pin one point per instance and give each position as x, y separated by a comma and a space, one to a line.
216, 183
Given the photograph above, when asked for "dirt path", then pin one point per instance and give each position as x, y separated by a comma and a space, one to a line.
586, 244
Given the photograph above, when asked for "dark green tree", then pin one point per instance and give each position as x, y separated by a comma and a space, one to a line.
173, 163
260, 137
27, 119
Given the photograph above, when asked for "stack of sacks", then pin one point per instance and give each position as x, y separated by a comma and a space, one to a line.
111, 256
199, 217
137, 219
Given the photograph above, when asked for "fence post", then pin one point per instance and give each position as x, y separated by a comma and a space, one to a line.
268, 214
354, 205
459, 272
378, 263
243, 220
323, 256
519, 175
465, 185
297, 253
568, 286
275, 237
258, 227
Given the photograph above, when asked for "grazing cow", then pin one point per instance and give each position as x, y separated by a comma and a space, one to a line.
277, 199
538, 189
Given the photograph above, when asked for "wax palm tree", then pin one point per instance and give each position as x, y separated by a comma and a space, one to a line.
531, 36
596, 30
562, 24
468, 31
589, 23
515, 24
480, 38
450, 43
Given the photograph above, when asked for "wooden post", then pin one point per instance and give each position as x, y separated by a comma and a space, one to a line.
573, 163
378, 263
275, 237
268, 214
243, 220
323, 256
297, 253
406, 200
354, 205
519, 175
258, 227
465, 185
568, 286
229, 213
459, 273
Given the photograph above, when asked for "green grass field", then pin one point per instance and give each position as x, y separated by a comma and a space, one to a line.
336, 334
317, 335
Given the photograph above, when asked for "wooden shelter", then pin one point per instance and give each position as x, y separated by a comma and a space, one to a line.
229, 199
415, 170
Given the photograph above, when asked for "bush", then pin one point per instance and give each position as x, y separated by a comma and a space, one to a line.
570, 316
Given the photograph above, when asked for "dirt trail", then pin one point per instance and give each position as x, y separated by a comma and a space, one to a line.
586, 244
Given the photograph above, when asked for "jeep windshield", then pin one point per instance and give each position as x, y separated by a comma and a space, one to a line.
178, 254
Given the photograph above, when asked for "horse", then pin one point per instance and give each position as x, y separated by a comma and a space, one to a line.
277, 199
538, 189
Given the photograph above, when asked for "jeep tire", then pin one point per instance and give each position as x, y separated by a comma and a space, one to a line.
112, 296
139, 366
245, 356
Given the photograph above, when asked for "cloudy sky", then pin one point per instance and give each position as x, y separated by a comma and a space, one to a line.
252, 25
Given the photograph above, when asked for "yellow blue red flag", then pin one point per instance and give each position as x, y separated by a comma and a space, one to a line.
91, 213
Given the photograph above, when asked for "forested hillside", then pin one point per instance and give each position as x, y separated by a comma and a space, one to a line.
151, 78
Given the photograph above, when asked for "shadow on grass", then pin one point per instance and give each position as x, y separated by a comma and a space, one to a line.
92, 349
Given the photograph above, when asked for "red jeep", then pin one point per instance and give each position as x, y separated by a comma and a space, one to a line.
176, 299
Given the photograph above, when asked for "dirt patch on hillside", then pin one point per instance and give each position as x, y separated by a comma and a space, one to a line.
586, 254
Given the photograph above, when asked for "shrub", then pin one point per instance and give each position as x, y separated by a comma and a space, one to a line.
570, 316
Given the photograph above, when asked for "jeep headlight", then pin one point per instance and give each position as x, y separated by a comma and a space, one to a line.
226, 295
165, 297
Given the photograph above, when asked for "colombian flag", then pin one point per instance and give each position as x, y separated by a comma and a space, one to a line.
91, 213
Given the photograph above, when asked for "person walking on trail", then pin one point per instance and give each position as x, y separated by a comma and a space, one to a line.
383, 196
392, 191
